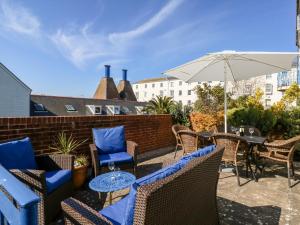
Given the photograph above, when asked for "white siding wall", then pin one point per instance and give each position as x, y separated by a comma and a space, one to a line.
14, 96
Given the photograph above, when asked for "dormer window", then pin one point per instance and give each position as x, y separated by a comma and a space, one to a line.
139, 110
113, 109
70, 108
95, 109
39, 107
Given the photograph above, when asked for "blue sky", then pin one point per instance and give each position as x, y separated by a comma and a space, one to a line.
59, 47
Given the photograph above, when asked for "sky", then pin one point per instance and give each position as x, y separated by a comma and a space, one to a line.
60, 47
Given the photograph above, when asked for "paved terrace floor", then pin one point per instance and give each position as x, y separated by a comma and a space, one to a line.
268, 201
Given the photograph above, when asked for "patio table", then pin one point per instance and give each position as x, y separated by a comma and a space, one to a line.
112, 181
252, 141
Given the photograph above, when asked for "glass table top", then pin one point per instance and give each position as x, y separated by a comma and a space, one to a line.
112, 181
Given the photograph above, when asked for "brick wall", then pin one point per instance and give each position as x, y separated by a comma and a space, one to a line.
149, 131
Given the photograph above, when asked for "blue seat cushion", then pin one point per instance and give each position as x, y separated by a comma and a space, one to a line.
199, 153
110, 140
54, 179
117, 158
17, 154
116, 212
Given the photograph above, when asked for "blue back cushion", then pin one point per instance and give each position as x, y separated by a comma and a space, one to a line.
199, 153
158, 175
110, 140
17, 155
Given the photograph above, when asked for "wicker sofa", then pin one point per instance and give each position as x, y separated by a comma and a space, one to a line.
188, 196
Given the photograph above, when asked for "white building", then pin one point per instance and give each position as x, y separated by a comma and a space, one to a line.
14, 95
272, 85
181, 92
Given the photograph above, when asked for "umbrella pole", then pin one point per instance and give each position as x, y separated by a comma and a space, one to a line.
225, 97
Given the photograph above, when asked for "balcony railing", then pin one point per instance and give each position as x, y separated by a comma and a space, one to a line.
20, 208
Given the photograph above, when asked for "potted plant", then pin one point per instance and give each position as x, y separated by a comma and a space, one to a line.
80, 170
67, 145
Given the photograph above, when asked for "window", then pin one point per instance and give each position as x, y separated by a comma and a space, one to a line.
180, 92
269, 89
145, 85
267, 103
189, 92
153, 85
137, 94
269, 76
172, 93
95, 109
248, 88
189, 102
145, 94
136, 86
153, 95
113, 109
199, 82
161, 84
172, 84
70, 108
180, 83
39, 108
180, 102
161, 93
139, 110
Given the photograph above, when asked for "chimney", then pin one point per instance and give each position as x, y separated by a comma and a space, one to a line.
124, 74
125, 89
107, 71
106, 88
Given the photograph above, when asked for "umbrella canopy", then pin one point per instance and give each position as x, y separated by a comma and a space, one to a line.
233, 66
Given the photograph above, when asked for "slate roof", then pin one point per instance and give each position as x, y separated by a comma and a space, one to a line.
56, 105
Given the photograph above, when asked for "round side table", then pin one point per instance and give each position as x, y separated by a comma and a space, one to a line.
112, 181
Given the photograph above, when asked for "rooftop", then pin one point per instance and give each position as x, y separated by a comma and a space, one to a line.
157, 79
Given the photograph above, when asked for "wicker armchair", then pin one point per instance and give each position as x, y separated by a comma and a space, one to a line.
189, 140
233, 145
175, 129
49, 206
185, 197
132, 149
282, 151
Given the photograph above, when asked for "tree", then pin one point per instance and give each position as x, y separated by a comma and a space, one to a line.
291, 95
180, 114
160, 105
255, 100
210, 99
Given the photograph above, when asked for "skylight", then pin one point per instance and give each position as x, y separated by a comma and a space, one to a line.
70, 108
39, 107
95, 109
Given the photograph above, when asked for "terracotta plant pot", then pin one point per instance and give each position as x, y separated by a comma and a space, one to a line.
79, 176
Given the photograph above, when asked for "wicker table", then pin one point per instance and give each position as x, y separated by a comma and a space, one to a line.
112, 181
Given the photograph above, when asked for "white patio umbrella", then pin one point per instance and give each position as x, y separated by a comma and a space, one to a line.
232, 66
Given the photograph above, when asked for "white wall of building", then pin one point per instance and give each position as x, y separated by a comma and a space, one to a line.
185, 93
14, 95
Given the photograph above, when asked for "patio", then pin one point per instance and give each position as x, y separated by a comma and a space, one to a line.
269, 201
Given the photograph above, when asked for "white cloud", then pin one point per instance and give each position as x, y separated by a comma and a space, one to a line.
82, 45
151, 23
18, 19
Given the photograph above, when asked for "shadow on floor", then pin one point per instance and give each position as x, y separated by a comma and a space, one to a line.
232, 213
